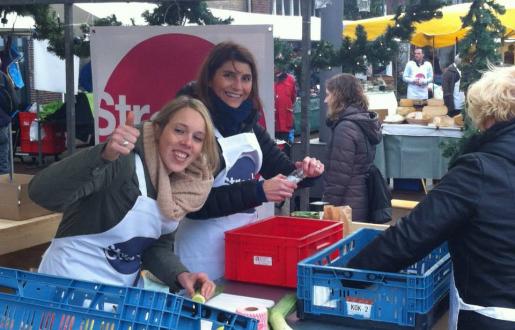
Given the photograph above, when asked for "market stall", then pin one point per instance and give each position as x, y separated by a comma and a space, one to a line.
414, 151
438, 32
407, 151
382, 100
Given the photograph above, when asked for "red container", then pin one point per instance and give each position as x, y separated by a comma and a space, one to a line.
54, 137
268, 251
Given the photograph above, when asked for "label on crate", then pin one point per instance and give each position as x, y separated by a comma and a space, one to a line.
322, 297
262, 261
359, 306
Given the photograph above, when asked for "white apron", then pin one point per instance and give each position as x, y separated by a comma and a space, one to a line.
458, 95
114, 256
200, 244
457, 304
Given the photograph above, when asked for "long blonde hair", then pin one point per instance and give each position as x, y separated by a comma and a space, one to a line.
209, 146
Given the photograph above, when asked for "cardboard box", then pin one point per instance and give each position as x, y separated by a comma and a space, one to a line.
15, 203
355, 226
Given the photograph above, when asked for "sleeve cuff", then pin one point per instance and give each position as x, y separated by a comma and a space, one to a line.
260, 192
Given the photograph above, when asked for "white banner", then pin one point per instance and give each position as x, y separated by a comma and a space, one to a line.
141, 68
50, 70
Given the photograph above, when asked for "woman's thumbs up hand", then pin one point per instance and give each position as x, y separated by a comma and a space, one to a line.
123, 139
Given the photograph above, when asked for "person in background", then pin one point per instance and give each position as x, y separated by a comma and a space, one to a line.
418, 74
509, 55
437, 70
285, 97
122, 199
472, 208
228, 85
351, 150
453, 97
8, 103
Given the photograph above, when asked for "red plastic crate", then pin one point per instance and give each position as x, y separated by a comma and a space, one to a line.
53, 142
268, 251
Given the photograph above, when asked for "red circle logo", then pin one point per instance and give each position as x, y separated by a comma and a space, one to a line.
148, 76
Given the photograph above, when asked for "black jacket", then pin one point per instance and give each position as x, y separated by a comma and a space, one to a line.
351, 151
241, 196
473, 208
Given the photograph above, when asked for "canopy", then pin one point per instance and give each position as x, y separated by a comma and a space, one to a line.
437, 32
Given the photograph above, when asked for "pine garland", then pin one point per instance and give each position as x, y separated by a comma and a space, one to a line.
49, 26
478, 49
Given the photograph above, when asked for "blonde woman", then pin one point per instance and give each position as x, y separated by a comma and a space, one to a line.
473, 209
122, 199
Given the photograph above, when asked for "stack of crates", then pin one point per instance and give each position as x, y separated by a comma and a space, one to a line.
53, 141
37, 301
412, 299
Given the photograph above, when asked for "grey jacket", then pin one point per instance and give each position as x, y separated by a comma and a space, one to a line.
351, 151
95, 195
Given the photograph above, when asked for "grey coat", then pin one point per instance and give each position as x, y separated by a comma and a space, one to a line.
351, 151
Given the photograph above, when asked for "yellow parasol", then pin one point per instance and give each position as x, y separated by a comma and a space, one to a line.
437, 32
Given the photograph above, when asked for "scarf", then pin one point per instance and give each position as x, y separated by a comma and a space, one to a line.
228, 120
178, 193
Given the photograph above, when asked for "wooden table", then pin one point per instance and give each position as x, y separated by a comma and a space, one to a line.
19, 235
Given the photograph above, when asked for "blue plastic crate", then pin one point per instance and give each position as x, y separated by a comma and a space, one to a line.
35, 301
396, 298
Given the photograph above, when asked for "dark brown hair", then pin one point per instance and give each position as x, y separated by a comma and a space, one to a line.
221, 53
346, 90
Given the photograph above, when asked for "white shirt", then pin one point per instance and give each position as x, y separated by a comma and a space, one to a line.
422, 73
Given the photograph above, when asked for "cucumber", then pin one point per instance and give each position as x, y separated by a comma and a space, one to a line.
278, 313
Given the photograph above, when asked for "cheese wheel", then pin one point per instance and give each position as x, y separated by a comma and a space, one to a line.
433, 111
406, 103
403, 111
435, 102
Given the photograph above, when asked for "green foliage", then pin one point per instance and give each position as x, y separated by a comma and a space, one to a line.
479, 48
454, 148
283, 55
416, 11
481, 44
49, 26
178, 13
323, 55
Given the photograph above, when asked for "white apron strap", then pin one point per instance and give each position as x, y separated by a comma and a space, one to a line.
457, 304
498, 313
140, 172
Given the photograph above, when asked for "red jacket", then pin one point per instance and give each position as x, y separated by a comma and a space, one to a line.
285, 95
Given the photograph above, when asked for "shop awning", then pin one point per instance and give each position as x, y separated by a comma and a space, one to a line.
445, 31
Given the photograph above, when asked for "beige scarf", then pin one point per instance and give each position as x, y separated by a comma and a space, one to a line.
178, 193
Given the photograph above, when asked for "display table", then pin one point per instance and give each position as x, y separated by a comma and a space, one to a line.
19, 235
382, 100
276, 293
414, 151
406, 151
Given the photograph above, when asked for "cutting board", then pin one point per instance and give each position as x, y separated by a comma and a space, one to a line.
230, 302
